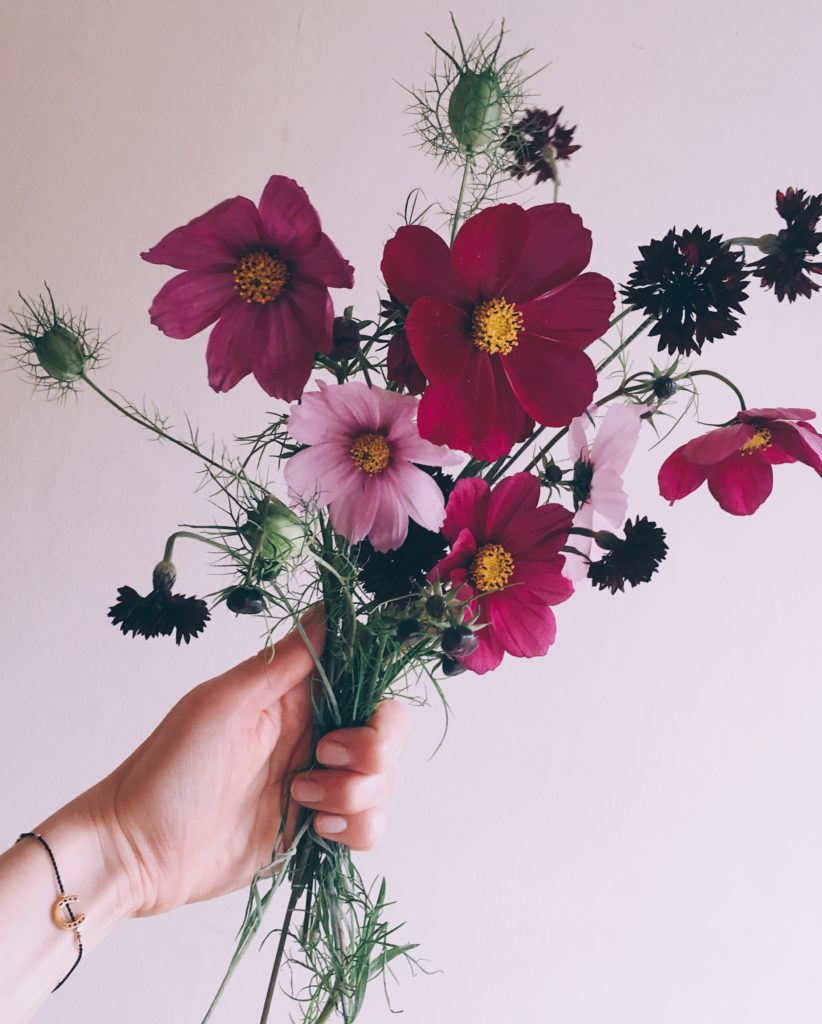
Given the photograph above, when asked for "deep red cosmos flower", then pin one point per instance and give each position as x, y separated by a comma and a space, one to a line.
263, 273
505, 562
736, 460
498, 324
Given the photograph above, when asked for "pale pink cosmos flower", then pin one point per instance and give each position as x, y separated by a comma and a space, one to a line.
599, 495
362, 463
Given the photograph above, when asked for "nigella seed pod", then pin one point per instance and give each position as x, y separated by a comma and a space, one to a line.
245, 601
60, 353
459, 641
409, 629
436, 606
283, 533
451, 667
664, 387
475, 110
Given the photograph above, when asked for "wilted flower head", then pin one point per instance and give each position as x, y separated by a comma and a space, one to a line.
633, 559
536, 143
786, 265
55, 347
159, 613
692, 284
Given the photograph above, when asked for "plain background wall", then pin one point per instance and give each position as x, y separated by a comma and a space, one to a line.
626, 831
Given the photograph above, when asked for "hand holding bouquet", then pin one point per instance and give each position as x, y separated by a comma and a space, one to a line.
453, 461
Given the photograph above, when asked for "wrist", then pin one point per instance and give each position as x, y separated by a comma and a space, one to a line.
93, 863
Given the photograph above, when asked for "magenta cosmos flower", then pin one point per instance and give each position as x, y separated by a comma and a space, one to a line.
498, 323
362, 463
737, 460
597, 488
505, 562
263, 274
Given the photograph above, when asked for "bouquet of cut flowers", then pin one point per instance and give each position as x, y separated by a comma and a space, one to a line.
447, 469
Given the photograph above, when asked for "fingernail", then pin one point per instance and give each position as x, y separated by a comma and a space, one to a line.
330, 824
306, 792
333, 753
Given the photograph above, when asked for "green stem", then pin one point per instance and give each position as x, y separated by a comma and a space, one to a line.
169, 548
455, 221
742, 240
144, 422
297, 889
327, 1010
719, 376
621, 348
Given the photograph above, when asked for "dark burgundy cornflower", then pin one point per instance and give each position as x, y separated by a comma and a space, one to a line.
786, 265
691, 283
159, 613
536, 143
633, 560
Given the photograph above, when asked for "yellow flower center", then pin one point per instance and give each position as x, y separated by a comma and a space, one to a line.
495, 326
491, 568
757, 443
371, 452
260, 277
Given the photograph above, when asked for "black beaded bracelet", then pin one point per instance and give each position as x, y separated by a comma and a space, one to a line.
63, 901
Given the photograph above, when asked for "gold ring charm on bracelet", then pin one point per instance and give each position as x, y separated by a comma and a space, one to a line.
62, 922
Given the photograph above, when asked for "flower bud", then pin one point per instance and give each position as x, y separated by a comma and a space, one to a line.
451, 667
283, 532
552, 474
664, 387
345, 338
459, 641
245, 601
436, 606
475, 110
60, 353
409, 629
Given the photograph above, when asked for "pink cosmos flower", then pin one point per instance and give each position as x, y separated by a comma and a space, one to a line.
263, 274
736, 460
364, 445
599, 496
498, 323
505, 562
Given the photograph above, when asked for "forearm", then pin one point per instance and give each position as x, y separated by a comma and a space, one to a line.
37, 954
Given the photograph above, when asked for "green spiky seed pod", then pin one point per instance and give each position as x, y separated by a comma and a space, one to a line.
283, 532
475, 110
60, 352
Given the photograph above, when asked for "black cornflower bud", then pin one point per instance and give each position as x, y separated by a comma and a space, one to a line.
245, 601
160, 613
459, 641
664, 387
345, 338
436, 606
451, 667
409, 629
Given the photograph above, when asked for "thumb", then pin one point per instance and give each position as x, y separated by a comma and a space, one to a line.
273, 671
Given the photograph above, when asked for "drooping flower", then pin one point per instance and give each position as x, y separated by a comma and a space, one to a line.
692, 284
536, 143
159, 613
599, 496
361, 463
262, 272
786, 265
498, 323
737, 459
397, 574
633, 559
505, 563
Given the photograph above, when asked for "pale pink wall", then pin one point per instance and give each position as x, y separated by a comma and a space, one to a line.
628, 831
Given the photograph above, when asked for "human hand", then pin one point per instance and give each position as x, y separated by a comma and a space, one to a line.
195, 811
